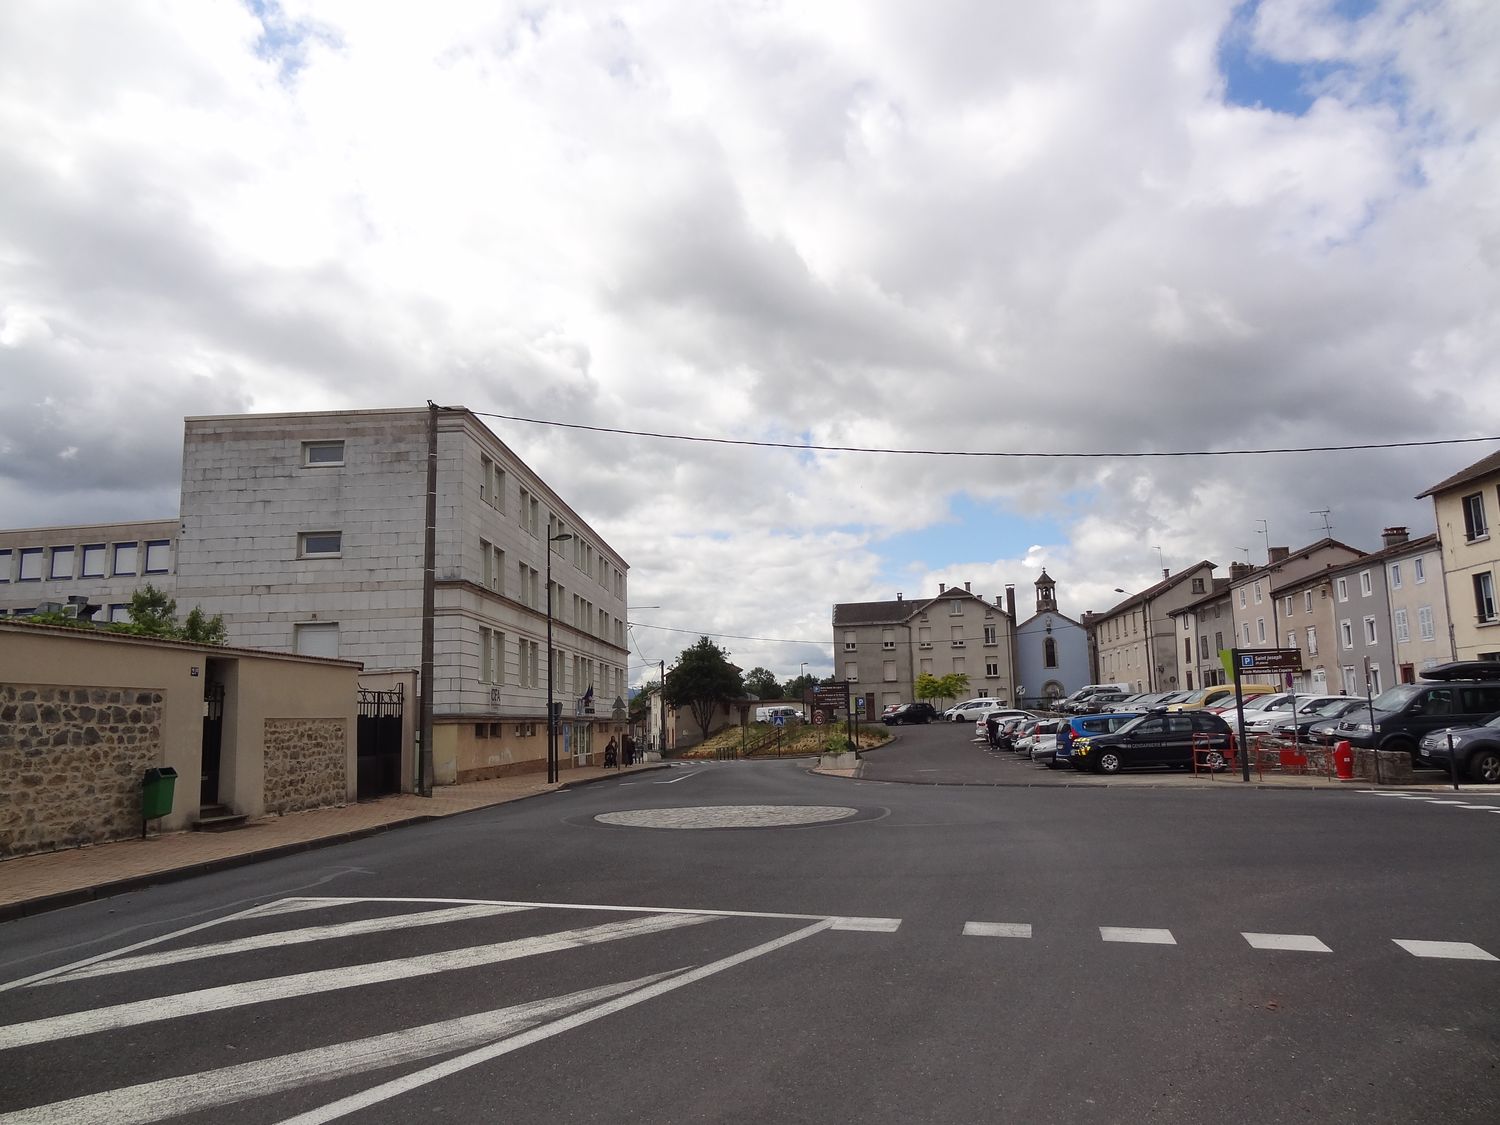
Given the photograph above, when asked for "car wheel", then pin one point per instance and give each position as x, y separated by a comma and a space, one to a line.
1484, 766
1405, 746
1215, 761
1108, 762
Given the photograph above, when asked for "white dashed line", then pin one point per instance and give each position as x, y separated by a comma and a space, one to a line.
1484, 808
1300, 943
1139, 936
867, 925
1449, 950
997, 929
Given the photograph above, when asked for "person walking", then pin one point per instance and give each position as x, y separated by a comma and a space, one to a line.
992, 730
611, 756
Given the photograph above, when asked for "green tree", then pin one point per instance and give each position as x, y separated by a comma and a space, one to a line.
762, 683
955, 685
702, 680
153, 614
927, 686
797, 685
640, 703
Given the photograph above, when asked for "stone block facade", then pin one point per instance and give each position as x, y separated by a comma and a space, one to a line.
71, 763
305, 764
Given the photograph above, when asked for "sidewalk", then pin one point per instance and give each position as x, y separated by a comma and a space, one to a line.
35, 883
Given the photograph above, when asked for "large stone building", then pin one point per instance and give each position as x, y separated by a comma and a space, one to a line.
880, 648
306, 532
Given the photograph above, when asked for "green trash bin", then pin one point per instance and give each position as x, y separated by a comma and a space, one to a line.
157, 788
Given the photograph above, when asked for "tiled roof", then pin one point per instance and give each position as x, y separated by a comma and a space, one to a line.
1387, 552
871, 613
1478, 469
1220, 590
1153, 591
1302, 553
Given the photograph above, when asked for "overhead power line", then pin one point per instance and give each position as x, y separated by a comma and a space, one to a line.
1101, 455
729, 636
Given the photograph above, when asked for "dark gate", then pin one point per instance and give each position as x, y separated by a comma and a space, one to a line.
213, 736
379, 737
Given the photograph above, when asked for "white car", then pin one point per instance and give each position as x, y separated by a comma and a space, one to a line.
1259, 720
1001, 714
972, 708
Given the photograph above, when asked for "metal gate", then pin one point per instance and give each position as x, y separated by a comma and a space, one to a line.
213, 738
379, 739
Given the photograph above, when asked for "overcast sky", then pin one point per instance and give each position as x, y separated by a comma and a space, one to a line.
986, 226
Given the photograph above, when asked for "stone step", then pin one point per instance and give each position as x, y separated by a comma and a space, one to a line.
223, 822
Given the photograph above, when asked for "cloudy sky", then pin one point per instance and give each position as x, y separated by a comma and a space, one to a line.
1086, 226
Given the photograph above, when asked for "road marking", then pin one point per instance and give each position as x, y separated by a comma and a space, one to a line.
868, 925
190, 1093
675, 780
290, 937
1450, 950
997, 929
1486, 808
1301, 943
410, 1082
318, 981
1141, 936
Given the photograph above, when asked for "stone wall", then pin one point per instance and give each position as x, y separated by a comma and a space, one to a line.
306, 767
71, 762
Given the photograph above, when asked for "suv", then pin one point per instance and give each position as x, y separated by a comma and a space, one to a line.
1084, 727
1463, 694
911, 713
1157, 740
1475, 750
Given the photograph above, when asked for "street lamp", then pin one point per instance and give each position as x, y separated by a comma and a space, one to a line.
552, 771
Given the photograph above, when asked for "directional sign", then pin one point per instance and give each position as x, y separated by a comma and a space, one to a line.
1268, 660
832, 696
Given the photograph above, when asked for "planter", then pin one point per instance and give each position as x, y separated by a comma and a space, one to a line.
845, 761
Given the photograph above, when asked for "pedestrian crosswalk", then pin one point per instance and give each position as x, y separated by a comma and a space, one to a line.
1468, 802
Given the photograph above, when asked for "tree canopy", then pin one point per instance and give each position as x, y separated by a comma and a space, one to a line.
153, 614
702, 680
951, 686
762, 683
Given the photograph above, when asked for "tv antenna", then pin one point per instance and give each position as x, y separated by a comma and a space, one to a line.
1325, 513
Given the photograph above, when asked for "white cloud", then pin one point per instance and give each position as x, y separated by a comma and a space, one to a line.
960, 226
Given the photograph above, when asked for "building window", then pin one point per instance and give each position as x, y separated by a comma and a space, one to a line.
991, 635
1484, 596
1245, 629
958, 636
1203, 647
486, 657
849, 642
1260, 630
127, 559
1257, 591
1306, 601
851, 672
1424, 623
955, 608
319, 638
1198, 585
888, 639
1242, 597
158, 556
95, 556
992, 669
31, 564
1312, 640
925, 666
1351, 682
1375, 685
1369, 630
5, 562
62, 562
1400, 627
1346, 633
1419, 572
1218, 642
1187, 650
888, 671
1286, 606
310, 545
1291, 638
322, 454
1366, 586
1341, 589
1475, 525
1187, 624
924, 637
958, 665
1395, 572
492, 484
118, 612
1049, 652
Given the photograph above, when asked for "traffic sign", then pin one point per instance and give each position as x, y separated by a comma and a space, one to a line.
1268, 660
779, 720
817, 718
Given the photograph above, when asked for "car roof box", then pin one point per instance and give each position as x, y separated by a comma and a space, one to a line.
1465, 670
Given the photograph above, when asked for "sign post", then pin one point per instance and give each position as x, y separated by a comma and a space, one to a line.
1258, 661
833, 698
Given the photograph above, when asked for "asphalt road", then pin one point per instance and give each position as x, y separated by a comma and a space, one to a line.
937, 954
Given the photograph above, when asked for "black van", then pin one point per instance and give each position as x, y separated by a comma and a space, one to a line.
1462, 694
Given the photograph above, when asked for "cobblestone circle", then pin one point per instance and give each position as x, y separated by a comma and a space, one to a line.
728, 816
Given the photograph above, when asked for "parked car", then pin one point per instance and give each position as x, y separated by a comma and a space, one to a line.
972, 708
1218, 695
911, 713
1009, 731
1031, 733
1102, 701
769, 714
1398, 718
1157, 740
1076, 702
1476, 750
1084, 726
1001, 713
1271, 710
1044, 744
1227, 706
1299, 728
890, 709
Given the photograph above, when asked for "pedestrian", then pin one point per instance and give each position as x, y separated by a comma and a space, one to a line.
627, 744
992, 730
611, 757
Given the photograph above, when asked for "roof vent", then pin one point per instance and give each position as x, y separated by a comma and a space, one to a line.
1393, 536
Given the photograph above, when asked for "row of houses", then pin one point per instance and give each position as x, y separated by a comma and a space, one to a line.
306, 532
1356, 617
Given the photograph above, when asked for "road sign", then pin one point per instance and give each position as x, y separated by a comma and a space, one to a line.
817, 718
832, 696
778, 720
1268, 660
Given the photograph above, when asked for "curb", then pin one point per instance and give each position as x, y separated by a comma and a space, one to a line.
45, 903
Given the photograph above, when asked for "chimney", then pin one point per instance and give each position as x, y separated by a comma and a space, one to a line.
1393, 536
966, 589
1239, 570
942, 587
898, 595
1010, 601
1275, 555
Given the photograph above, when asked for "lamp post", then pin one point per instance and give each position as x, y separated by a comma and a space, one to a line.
552, 770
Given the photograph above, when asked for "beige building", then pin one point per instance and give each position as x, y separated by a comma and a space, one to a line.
1252, 602
1203, 628
1419, 606
1307, 622
83, 565
1465, 506
1136, 641
880, 648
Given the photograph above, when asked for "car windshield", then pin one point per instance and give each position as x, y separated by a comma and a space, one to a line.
1394, 699
1332, 708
